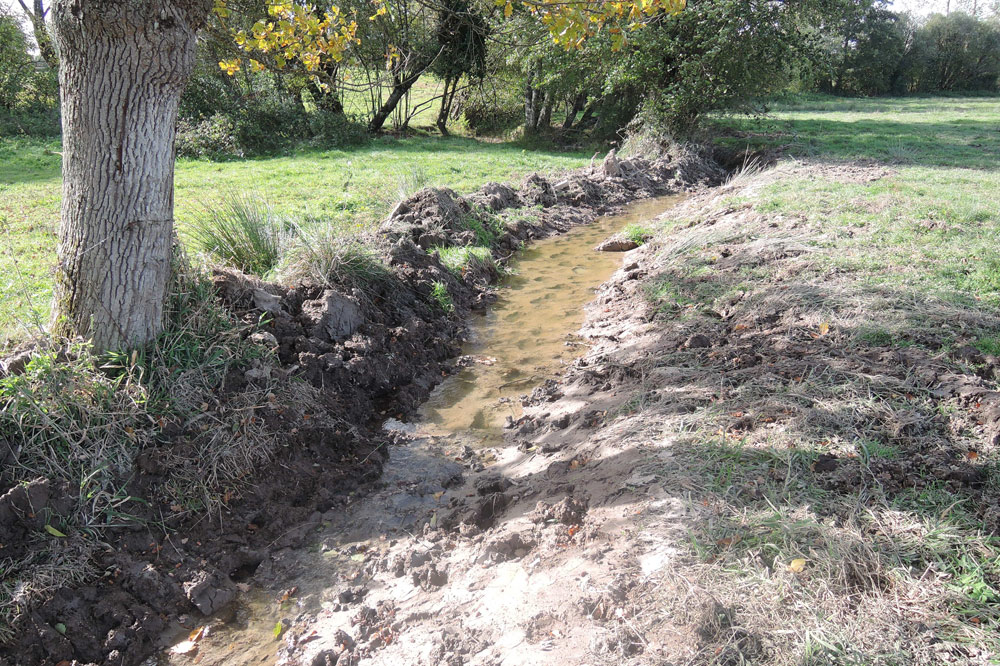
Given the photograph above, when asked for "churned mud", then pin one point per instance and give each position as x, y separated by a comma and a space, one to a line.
311, 448
729, 474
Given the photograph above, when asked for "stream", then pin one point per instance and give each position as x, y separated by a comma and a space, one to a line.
525, 338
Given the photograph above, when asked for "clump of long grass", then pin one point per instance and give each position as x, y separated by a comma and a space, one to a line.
244, 232
322, 254
459, 260
411, 181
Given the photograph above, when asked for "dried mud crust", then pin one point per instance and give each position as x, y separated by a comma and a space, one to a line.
364, 354
594, 537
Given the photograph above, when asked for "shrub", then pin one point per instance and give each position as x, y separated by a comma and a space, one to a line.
335, 130
213, 137
493, 109
243, 232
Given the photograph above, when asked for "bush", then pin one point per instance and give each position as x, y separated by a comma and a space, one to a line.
335, 130
494, 109
244, 232
213, 137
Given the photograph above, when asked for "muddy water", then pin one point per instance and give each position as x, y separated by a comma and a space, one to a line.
525, 338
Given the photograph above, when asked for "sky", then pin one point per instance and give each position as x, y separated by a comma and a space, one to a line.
919, 7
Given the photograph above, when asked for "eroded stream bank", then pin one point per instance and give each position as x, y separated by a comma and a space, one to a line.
339, 356
526, 338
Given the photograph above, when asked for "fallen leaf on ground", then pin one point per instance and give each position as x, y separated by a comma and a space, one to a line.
797, 565
184, 647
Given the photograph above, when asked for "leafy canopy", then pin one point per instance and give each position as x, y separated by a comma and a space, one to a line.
306, 34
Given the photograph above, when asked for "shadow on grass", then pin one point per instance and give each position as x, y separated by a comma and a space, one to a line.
909, 132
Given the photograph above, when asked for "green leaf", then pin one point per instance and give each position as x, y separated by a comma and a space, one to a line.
60, 627
54, 532
278, 629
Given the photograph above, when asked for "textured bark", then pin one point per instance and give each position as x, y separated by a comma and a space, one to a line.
123, 66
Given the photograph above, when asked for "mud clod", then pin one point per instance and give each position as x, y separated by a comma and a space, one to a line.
568, 511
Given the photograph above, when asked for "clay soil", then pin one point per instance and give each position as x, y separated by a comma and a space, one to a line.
731, 474
365, 353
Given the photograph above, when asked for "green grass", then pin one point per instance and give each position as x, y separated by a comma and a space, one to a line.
931, 225
349, 190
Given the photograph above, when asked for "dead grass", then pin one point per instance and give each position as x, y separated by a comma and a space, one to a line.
839, 481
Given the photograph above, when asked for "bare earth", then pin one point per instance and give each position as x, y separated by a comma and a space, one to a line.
727, 476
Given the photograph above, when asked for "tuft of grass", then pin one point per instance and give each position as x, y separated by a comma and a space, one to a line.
323, 254
442, 297
989, 344
242, 232
411, 180
486, 227
459, 260
637, 233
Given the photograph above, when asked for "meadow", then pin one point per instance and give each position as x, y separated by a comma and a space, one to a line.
350, 189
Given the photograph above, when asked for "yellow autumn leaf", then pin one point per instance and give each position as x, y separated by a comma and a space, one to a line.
824, 328
797, 565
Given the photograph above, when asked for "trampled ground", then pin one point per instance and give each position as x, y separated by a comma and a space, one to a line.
781, 447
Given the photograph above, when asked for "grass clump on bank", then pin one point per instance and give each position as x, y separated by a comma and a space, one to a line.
459, 260
243, 231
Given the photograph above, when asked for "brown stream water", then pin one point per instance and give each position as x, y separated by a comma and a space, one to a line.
526, 337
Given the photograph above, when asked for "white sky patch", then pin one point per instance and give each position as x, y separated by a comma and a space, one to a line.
922, 7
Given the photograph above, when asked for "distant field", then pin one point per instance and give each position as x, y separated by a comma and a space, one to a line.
932, 225
351, 188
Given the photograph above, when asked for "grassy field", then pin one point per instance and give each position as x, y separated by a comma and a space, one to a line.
351, 189
835, 438
932, 224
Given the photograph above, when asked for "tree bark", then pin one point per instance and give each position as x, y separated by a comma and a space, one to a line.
545, 115
123, 66
573, 108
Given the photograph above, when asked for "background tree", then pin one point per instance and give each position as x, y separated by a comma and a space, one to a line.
16, 64
38, 14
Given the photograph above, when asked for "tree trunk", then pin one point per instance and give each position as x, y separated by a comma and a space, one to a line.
399, 90
574, 107
545, 116
446, 100
42, 37
123, 66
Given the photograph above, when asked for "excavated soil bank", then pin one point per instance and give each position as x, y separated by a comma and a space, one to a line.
715, 481
365, 350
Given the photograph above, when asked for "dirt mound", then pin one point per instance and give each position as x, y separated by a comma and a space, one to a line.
368, 345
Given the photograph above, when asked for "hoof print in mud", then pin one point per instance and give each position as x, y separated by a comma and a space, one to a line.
504, 548
492, 484
428, 576
483, 511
